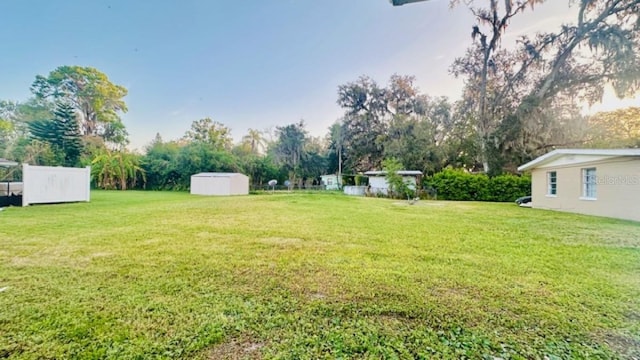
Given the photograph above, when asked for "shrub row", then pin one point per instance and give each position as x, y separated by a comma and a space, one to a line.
458, 185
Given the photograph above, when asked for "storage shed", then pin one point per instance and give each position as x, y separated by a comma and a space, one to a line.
221, 184
330, 182
378, 180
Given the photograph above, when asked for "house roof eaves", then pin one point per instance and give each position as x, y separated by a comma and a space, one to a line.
556, 154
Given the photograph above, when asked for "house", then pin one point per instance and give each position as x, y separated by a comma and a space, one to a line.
602, 182
378, 181
330, 182
212, 183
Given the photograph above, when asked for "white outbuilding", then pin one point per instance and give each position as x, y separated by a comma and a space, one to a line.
221, 184
378, 180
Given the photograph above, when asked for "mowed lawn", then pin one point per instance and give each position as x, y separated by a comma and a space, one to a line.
308, 276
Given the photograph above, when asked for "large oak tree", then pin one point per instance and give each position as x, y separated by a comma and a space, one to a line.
98, 101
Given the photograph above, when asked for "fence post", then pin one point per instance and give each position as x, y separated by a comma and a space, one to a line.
25, 187
88, 169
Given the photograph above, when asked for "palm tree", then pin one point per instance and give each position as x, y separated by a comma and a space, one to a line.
116, 169
254, 140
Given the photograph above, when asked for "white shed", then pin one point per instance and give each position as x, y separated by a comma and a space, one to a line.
330, 182
378, 180
219, 184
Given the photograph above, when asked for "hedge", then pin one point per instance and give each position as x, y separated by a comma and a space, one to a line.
458, 185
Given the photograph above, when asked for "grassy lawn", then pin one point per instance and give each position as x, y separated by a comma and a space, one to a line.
307, 276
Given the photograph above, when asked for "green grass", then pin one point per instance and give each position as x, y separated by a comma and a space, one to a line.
306, 276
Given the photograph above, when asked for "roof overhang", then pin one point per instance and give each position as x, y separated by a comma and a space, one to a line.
576, 156
403, 2
401, 172
212, 174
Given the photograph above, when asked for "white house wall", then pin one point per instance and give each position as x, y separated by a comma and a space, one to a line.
617, 189
54, 184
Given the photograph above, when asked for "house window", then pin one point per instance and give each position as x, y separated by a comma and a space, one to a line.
589, 183
552, 183
329, 181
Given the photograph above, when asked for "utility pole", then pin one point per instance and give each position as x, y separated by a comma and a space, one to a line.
340, 158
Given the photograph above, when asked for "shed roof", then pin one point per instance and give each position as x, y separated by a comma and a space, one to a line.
556, 154
216, 174
400, 172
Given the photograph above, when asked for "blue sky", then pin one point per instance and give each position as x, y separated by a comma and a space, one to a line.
248, 64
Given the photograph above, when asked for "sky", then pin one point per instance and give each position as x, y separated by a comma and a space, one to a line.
248, 64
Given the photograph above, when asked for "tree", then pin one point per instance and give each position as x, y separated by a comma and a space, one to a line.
618, 128
254, 141
89, 91
411, 142
602, 47
35, 152
68, 134
198, 157
116, 169
115, 134
62, 133
531, 94
160, 164
419, 141
314, 162
289, 149
397, 186
369, 109
6, 133
492, 22
210, 132
14, 120
335, 156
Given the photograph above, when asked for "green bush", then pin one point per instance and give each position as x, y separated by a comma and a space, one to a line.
452, 184
357, 180
361, 180
506, 188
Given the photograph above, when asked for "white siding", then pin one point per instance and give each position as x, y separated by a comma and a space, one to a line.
49, 184
219, 184
239, 185
379, 183
355, 190
330, 182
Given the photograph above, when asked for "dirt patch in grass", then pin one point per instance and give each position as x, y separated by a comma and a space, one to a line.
417, 203
53, 258
237, 349
633, 316
280, 241
627, 346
